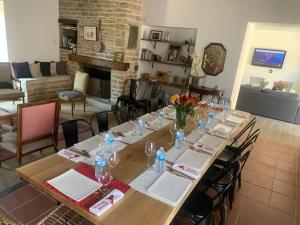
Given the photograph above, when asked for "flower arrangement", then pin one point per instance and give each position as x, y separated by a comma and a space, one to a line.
264, 83
280, 85
184, 105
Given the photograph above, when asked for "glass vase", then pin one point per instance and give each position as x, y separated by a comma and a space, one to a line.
180, 118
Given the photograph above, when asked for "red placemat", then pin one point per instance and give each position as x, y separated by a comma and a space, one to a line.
89, 172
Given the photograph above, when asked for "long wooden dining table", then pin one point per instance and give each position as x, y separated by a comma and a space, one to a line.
135, 208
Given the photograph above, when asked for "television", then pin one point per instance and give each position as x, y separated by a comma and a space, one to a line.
268, 58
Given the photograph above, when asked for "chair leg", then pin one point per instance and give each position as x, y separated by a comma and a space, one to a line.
240, 180
23, 99
84, 103
72, 106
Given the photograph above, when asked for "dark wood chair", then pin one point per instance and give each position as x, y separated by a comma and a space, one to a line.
102, 121
122, 114
69, 131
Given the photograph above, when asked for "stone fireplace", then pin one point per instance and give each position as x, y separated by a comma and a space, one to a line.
118, 17
99, 82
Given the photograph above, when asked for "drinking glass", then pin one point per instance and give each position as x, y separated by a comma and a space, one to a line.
150, 149
106, 177
114, 159
173, 130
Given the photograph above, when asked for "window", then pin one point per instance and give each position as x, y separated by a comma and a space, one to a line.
3, 43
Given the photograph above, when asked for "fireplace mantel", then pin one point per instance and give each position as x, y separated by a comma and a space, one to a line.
114, 65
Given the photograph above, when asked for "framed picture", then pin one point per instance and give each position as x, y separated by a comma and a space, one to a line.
156, 35
214, 59
90, 33
119, 56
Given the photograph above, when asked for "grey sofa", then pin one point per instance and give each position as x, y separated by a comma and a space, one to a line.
269, 103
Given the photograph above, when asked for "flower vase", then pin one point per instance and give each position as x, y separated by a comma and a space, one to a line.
180, 118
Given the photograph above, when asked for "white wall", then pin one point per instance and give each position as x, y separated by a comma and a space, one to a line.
281, 39
220, 21
32, 30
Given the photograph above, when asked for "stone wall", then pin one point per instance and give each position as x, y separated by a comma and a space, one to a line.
116, 17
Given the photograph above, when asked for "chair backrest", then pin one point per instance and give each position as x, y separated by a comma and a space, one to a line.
232, 170
122, 114
143, 90
69, 131
81, 82
36, 120
249, 127
102, 120
5, 75
251, 138
153, 104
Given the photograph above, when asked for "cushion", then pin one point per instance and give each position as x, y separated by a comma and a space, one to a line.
69, 95
22, 70
45, 68
53, 69
35, 70
61, 68
6, 85
80, 81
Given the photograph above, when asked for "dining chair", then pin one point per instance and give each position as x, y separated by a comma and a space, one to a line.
35, 122
122, 115
69, 132
102, 121
78, 93
200, 207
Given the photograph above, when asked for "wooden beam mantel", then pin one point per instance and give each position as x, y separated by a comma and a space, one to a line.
114, 65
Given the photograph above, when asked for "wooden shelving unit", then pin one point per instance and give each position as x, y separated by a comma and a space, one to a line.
166, 63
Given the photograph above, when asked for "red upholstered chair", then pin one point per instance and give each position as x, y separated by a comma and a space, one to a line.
35, 122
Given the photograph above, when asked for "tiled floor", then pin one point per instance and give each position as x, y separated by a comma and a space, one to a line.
270, 193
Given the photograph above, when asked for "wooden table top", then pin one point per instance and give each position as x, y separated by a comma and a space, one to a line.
135, 208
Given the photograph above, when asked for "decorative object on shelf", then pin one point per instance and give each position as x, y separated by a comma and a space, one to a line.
184, 105
162, 77
145, 76
280, 85
263, 84
174, 53
156, 35
119, 56
175, 79
90, 33
167, 36
214, 59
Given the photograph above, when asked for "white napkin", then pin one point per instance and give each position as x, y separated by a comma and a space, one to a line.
209, 143
68, 154
107, 202
235, 119
187, 170
193, 137
149, 117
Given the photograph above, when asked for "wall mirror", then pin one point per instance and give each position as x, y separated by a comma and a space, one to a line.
214, 59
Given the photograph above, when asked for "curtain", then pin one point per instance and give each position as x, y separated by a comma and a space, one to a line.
3, 43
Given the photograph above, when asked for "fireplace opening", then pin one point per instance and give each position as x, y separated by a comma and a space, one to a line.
99, 81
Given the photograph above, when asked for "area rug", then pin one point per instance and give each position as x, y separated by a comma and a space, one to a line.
64, 216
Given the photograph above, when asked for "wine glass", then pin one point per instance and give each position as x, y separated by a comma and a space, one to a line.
114, 159
105, 176
150, 149
173, 130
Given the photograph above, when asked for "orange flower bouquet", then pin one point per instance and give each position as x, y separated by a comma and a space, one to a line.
184, 105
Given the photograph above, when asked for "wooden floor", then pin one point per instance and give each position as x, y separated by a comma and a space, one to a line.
270, 193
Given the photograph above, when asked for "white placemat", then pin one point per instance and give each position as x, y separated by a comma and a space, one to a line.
197, 160
193, 137
133, 137
74, 185
89, 144
235, 119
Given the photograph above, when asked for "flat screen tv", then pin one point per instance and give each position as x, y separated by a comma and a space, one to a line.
268, 58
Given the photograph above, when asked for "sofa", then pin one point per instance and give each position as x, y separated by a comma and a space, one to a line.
269, 103
41, 80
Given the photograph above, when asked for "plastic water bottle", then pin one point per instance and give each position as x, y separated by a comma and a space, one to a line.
100, 164
201, 126
161, 117
160, 160
141, 125
179, 139
109, 140
211, 118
